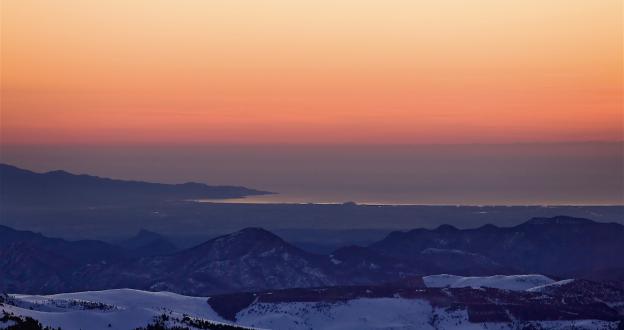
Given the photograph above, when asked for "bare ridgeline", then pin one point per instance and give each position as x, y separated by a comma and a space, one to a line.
558, 272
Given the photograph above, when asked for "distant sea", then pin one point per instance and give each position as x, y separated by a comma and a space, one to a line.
584, 173
372, 199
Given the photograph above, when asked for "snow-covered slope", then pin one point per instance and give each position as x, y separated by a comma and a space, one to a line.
545, 287
321, 308
109, 309
387, 313
504, 282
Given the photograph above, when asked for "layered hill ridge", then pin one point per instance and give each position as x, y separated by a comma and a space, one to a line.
255, 259
559, 245
249, 258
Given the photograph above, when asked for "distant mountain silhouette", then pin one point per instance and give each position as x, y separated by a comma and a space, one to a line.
249, 259
147, 243
559, 245
31, 262
244, 260
255, 259
23, 187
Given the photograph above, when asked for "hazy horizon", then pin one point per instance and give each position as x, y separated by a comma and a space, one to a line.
587, 173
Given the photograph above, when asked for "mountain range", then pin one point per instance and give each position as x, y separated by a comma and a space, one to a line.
560, 245
255, 259
26, 188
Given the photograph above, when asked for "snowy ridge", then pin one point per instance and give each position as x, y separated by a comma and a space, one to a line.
109, 309
503, 282
388, 313
551, 285
134, 308
448, 302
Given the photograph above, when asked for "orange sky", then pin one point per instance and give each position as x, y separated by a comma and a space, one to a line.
282, 71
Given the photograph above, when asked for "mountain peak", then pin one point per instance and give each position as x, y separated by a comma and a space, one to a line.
255, 233
147, 233
559, 220
488, 227
243, 240
59, 172
255, 251
446, 228
148, 243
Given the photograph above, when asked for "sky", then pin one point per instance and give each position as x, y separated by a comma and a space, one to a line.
426, 102
191, 72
